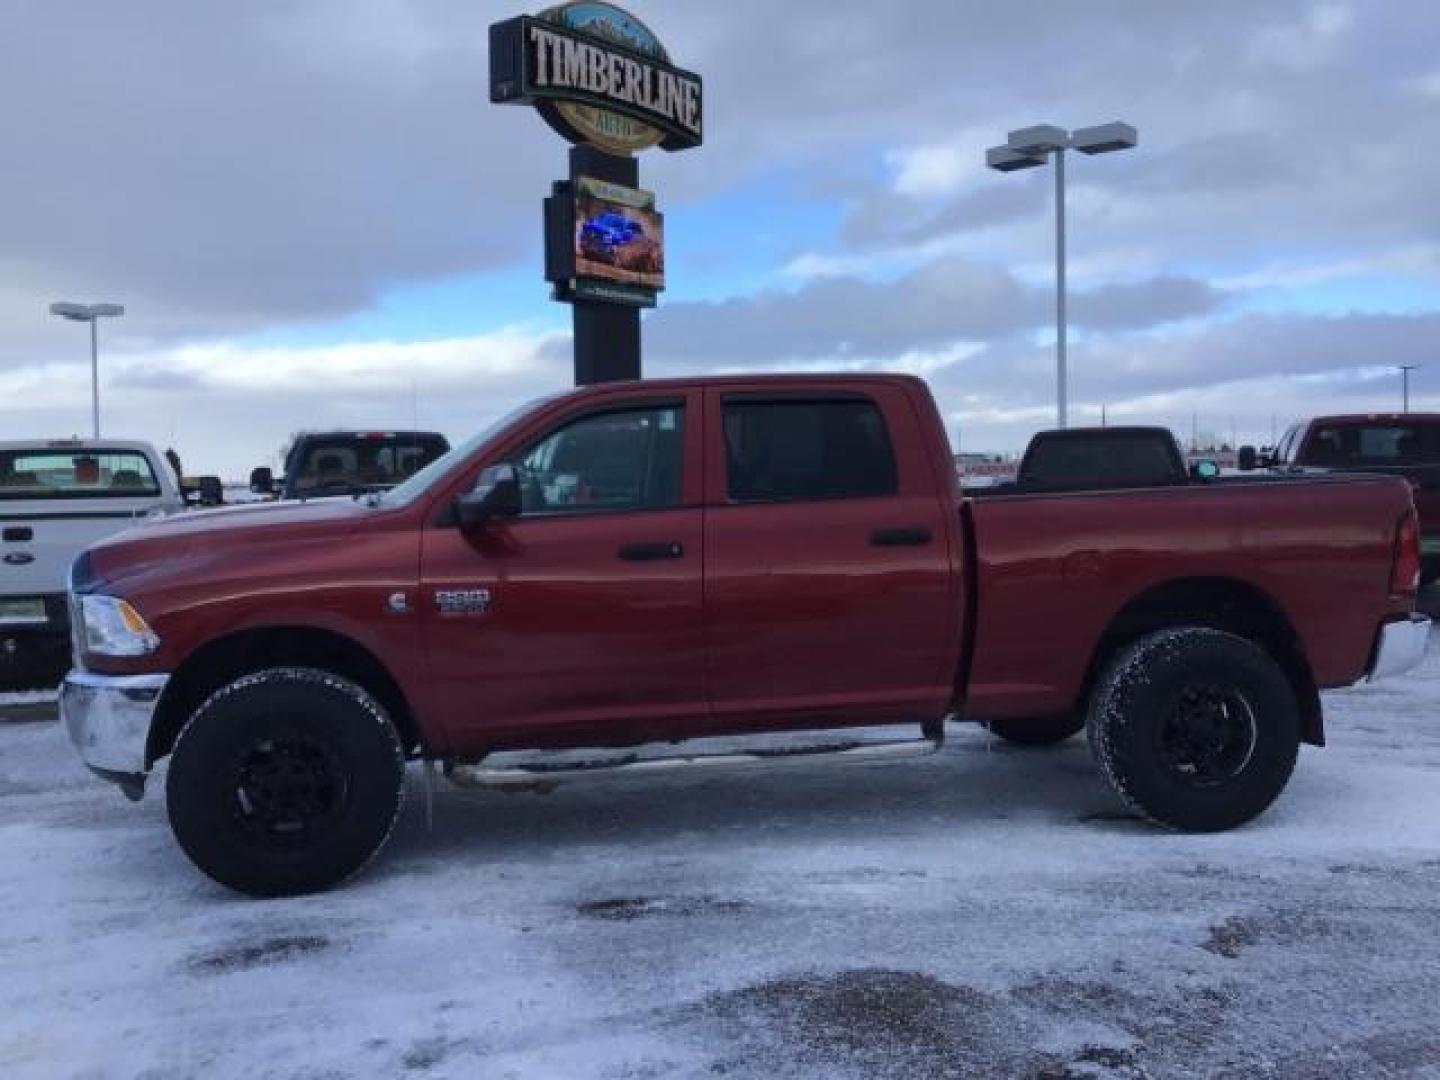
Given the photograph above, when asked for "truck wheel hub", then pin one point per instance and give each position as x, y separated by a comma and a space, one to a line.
1209, 736
290, 786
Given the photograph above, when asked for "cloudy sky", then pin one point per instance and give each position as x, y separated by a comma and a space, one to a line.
316, 219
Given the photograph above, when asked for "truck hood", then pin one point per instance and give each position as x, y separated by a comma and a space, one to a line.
181, 542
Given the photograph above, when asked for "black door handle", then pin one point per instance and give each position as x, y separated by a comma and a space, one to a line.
663, 549
912, 537
18, 534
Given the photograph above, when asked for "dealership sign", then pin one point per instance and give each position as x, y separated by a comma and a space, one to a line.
597, 75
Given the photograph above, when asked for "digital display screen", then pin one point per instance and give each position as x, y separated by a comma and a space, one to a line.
619, 235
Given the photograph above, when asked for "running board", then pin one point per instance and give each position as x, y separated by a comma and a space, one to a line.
543, 771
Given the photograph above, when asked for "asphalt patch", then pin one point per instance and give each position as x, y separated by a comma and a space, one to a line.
869, 1022
246, 955
630, 908
1232, 937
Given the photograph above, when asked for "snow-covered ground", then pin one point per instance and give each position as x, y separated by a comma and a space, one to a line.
987, 912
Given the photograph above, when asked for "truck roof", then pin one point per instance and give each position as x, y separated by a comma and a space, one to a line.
801, 381
1381, 417
369, 433
77, 444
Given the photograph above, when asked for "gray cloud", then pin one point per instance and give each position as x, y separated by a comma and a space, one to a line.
944, 302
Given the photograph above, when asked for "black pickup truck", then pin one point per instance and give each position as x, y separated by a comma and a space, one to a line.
1097, 459
326, 463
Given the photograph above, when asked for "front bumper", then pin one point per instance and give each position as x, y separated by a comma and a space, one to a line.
108, 718
1400, 647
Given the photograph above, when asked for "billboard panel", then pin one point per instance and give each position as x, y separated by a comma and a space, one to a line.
619, 235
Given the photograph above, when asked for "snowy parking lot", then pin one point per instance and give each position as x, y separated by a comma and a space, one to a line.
986, 912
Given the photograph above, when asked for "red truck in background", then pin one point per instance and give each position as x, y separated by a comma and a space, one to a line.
1395, 444
666, 561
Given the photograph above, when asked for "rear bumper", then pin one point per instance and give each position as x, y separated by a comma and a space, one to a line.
1400, 646
54, 621
108, 719
35, 652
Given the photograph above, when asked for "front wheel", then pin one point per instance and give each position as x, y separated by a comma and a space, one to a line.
1196, 729
285, 781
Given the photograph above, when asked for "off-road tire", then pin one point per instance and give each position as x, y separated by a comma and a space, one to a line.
285, 781
1039, 730
1137, 706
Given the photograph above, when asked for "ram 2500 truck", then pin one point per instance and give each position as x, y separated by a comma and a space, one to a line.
660, 562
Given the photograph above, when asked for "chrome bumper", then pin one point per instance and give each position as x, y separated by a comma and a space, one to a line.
1401, 646
108, 718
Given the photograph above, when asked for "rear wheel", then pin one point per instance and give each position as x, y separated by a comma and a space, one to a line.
1039, 730
285, 781
1196, 729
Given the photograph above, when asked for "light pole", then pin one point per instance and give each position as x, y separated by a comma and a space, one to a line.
1028, 148
1405, 370
91, 313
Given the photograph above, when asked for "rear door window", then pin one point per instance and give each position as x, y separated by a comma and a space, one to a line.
793, 451
53, 473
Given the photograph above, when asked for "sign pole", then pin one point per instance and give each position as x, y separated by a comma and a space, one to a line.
604, 82
607, 336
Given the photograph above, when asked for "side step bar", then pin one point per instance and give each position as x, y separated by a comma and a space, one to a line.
542, 772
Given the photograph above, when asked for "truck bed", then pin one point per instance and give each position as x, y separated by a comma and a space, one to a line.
1055, 571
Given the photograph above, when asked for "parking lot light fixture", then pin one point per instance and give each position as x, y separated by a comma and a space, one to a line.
1028, 147
92, 314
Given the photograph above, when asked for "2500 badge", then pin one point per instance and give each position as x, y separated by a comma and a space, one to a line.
462, 601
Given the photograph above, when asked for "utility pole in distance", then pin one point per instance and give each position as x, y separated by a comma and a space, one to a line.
1405, 370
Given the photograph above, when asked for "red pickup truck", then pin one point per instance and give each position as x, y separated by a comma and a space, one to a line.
665, 561
1394, 444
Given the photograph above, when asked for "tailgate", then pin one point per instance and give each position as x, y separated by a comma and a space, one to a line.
39, 542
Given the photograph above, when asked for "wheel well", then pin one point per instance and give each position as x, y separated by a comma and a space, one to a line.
225, 659
1220, 604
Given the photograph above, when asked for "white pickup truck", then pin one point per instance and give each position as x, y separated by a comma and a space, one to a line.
56, 499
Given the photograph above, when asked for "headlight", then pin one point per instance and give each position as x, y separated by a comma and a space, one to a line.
114, 628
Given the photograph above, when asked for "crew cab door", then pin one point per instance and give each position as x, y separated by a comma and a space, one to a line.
829, 589
584, 612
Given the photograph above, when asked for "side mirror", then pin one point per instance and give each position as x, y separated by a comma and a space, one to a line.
1205, 469
496, 495
262, 481
1247, 458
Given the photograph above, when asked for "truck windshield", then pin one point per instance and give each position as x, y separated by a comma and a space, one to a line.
346, 462
1381, 443
75, 473
417, 485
